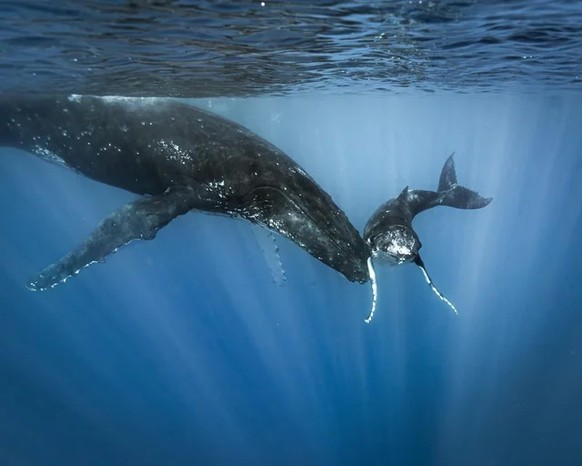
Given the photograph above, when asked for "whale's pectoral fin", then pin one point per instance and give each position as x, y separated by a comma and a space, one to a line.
140, 219
418, 261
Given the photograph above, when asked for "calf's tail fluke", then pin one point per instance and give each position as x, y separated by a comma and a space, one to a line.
454, 195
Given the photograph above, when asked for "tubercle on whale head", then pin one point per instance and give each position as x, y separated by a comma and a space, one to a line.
398, 244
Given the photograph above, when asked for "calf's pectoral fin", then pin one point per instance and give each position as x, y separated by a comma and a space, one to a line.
140, 219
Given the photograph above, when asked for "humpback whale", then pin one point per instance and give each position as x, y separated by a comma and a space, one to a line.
389, 231
178, 158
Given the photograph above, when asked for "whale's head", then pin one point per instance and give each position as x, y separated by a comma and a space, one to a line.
395, 245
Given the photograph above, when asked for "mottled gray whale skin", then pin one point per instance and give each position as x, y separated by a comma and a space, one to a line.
179, 158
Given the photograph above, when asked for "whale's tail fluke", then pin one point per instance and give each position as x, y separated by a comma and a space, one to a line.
453, 195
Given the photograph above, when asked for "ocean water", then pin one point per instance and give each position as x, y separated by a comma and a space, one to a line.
216, 344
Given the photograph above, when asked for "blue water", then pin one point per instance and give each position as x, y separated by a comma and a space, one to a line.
214, 344
183, 350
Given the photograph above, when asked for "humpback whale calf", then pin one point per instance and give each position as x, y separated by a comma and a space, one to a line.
178, 158
389, 231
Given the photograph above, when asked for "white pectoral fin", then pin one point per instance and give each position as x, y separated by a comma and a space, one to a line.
372, 273
140, 219
418, 261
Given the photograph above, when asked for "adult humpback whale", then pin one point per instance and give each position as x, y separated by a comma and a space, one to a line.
389, 231
180, 158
